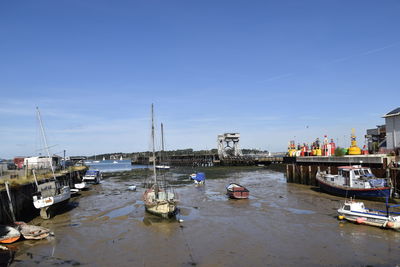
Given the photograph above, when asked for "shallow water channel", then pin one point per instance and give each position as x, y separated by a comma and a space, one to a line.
281, 224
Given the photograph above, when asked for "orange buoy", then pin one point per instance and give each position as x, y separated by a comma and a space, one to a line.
360, 220
390, 224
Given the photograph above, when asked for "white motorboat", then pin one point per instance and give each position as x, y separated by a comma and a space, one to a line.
48, 195
163, 167
355, 211
92, 177
82, 186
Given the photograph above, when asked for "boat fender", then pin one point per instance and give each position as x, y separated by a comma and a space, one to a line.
360, 220
389, 224
340, 217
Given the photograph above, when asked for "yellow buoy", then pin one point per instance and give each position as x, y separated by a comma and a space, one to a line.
354, 149
341, 217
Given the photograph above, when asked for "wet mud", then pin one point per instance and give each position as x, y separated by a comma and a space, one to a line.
279, 225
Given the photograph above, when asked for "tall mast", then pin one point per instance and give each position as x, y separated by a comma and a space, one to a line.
152, 140
162, 142
45, 142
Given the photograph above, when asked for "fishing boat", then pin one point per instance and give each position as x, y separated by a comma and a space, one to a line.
92, 177
355, 211
354, 181
51, 194
198, 178
8, 234
158, 199
237, 191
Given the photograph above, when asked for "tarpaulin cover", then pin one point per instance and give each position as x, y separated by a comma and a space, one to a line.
200, 176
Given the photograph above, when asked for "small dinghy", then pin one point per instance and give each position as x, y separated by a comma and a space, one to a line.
32, 231
236, 191
8, 234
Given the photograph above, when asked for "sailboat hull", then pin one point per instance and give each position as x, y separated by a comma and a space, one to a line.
161, 203
165, 210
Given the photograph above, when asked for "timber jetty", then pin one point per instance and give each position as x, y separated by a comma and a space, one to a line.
212, 159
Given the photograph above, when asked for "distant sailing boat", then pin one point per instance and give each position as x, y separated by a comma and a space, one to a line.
163, 165
52, 193
157, 199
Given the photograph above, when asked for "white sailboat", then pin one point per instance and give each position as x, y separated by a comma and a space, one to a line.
52, 193
158, 200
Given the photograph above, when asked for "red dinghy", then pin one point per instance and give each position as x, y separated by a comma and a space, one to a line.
237, 191
8, 234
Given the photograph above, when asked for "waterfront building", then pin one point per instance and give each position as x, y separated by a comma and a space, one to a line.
392, 121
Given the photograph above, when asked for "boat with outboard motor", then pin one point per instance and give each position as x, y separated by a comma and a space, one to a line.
355, 211
354, 181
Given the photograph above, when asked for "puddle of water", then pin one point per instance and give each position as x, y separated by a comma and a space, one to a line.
298, 211
120, 212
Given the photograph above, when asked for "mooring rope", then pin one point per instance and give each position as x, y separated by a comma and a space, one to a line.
187, 244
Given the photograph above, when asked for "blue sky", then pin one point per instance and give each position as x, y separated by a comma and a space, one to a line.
271, 70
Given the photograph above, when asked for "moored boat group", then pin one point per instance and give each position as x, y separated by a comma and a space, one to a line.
358, 182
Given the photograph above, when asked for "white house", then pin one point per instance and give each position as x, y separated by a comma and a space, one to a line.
39, 162
392, 120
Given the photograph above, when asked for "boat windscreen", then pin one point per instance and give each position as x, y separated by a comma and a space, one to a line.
92, 172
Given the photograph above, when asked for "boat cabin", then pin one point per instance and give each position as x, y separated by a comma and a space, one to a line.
354, 206
355, 177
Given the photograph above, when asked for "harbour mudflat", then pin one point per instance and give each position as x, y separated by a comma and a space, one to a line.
280, 224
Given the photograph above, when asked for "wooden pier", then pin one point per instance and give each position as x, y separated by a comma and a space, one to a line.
208, 160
